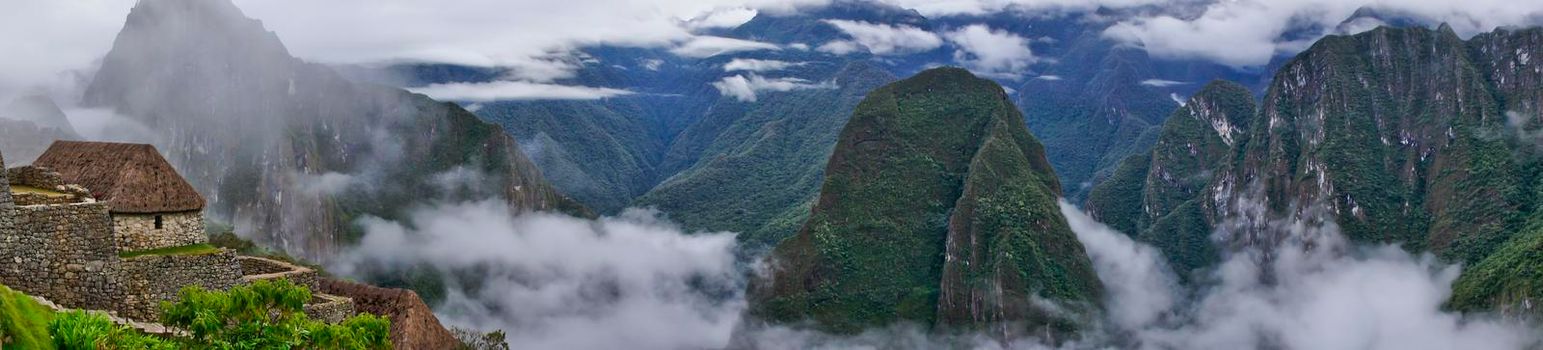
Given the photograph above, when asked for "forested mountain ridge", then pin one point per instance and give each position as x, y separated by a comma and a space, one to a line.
938, 207
1405, 136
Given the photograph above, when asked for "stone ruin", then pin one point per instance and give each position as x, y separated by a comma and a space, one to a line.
64, 232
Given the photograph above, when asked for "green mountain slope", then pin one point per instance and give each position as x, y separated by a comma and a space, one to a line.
767, 164
1160, 197
1404, 136
938, 207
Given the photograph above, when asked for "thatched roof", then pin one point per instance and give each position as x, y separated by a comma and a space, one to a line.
131, 178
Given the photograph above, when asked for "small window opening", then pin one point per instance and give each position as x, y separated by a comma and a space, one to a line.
158, 223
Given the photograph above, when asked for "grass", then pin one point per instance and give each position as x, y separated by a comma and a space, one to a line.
23, 322
35, 190
194, 249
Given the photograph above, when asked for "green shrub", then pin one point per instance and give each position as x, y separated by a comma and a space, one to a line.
267, 315
79, 330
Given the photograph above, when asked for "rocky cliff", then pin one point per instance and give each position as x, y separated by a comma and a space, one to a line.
289, 151
938, 208
1406, 136
1159, 197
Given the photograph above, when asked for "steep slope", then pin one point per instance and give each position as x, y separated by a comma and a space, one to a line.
767, 165
29, 124
1160, 197
1387, 129
938, 207
290, 151
1403, 136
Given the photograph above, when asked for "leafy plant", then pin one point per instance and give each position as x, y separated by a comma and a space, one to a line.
90, 330
267, 315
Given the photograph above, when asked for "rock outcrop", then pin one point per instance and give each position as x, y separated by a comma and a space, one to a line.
413, 324
1403, 136
938, 208
1158, 197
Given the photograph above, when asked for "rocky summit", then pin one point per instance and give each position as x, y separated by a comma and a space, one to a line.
938, 208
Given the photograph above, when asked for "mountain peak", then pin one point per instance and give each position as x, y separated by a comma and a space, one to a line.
925, 165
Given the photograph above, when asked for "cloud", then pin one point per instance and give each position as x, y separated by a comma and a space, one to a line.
839, 47
103, 124
46, 42
991, 52
514, 90
944, 8
708, 46
1048, 77
330, 183
1248, 33
1161, 83
755, 65
632, 281
726, 18
1332, 295
883, 39
1527, 130
744, 87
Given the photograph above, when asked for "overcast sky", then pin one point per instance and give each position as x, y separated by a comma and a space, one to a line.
45, 41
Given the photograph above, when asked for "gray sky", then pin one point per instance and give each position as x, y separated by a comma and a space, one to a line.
53, 44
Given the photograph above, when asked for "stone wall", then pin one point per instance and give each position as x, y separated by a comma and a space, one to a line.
5, 203
255, 268
24, 198
149, 280
64, 252
35, 176
137, 231
329, 308
413, 324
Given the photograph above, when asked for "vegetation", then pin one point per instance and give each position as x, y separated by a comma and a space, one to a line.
766, 162
191, 249
262, 315
1161, 197
267, 315
224, 236
1409, 147
93, 330
940, 156
23, 322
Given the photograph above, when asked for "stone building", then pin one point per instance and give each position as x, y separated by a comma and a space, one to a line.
152, 206
60, 242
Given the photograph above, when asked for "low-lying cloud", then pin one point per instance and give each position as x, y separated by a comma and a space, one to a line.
638, 281
881, 39
632, 281
744, 87
1161, 83
1313, 291
1248, 33
755, 65
992, 52
514, 90
708, 46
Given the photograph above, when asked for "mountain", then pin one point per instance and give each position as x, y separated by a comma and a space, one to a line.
28, 125
292, 152
1159, 196
1404, 136
938, 207
765, 167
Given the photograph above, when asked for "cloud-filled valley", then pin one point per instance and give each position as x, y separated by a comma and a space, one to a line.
846, 174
